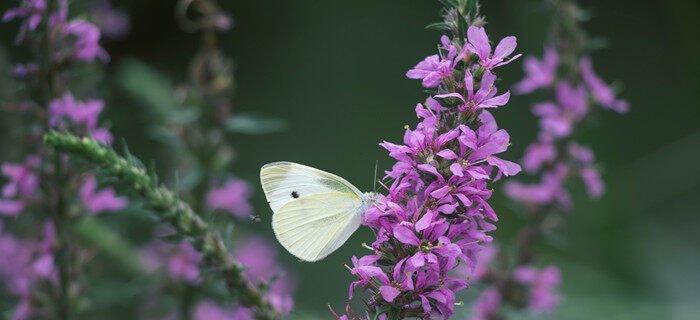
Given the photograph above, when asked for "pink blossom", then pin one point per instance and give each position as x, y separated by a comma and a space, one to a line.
104, 200
479, 45
543, 285
233, 197
539, 73
260, 259
487, 306
602, 93
208, 310
22, 184
87, 37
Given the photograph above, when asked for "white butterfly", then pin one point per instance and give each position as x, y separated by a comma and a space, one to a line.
315, 212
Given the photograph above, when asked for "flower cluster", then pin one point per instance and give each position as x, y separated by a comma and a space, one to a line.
556, 159
31, 188
26, 266
436, 215
554, 154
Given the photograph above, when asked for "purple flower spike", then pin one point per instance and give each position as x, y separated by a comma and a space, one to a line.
435, 218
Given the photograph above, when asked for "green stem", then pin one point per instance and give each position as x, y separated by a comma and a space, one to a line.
171, 209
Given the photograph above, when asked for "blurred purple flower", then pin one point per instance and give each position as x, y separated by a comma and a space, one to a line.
26, 265
487, 306
114, 24
538, 154
233, 197
87, 38
543, 287
84, 115
539, 73
21, 70
550, 189
484, 258
31, 11
601, 92
97, 201
208, 310
181, 261
22, 184
260, 260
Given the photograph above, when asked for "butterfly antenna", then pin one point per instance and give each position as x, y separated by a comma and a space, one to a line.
374, 181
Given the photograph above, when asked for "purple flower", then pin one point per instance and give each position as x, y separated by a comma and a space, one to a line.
31, 11
484, 98
593, 182
184, 263
602, 93
208, 310
84, 115
538, 154
433, 69
26, 265
558, 120
24, 70
87, 38
22, 185
260, 259
104, 200
484, 258
114, 24
539, 73
580, 153
487, 306
233, 197
549, 190
435, 219
543, 285
181, 261
479, 45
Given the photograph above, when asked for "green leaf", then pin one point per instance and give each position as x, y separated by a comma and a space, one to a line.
94, 233
251, 124
146, 84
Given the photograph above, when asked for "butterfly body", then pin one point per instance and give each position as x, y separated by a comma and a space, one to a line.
315, 212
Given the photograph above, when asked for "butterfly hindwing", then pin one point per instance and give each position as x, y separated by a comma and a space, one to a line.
314, 226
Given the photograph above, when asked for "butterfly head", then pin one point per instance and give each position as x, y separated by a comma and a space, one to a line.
369, 198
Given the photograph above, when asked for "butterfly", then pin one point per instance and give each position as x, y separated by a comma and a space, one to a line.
314, 212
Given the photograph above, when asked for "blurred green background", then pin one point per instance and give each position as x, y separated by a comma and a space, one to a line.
334, 70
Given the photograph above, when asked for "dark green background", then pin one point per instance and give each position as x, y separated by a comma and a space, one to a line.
334, 70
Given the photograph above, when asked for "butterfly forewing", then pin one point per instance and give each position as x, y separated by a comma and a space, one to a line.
283, 182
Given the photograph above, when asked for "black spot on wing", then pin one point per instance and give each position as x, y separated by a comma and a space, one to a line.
295, 194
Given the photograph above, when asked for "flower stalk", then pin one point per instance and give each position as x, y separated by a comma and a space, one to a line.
171, 209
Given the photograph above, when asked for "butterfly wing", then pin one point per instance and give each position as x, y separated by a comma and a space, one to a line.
313, 226
283, 182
